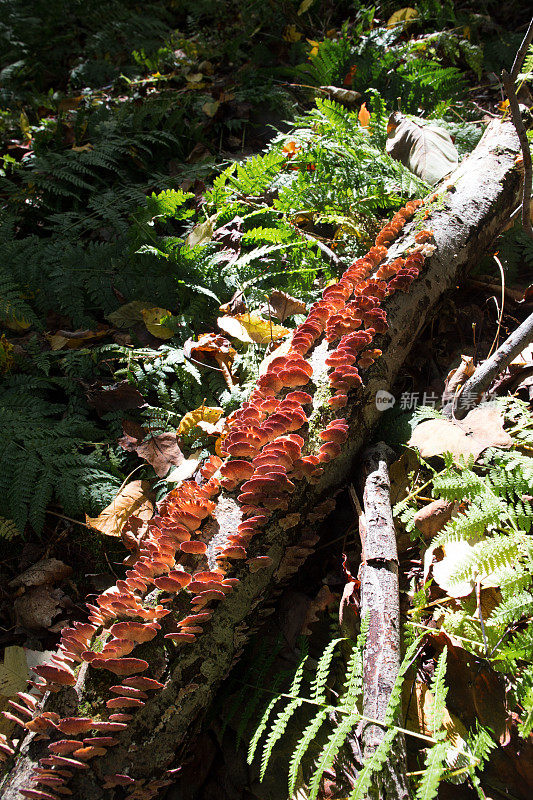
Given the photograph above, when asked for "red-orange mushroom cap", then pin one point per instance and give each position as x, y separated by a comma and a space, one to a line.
121, 666
128, 691
328, 451
235, 552
339, 400
234, 472
180, 638
124, 702
368, 357
259, 562
140, 682
193, 547
55, 674
135, 631
74, 725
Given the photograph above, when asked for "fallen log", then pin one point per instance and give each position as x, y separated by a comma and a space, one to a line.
467, 213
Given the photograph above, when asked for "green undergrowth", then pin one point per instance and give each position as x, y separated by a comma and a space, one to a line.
471, 621
124, 182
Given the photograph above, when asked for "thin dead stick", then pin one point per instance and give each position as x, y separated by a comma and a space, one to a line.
521, 53
480, 381
380, 604
508, 83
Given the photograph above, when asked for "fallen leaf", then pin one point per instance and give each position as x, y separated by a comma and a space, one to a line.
15, 324
404, 16
433, 517
134, 499
292, 34
36, 608
281, 305
152, 319
192, 418
457, 377
201, 233
128, 315
72, 340
13, 678
251, 328
82, 148
481, 428
186, 469
348, 97
420, 702
305, 5
280, 350
215, 346
13, 671
161, 451
211, 107
114, 397
364, 116
421, 146
48, 570
455, 554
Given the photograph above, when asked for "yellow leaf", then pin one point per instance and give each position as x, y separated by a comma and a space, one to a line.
194, 77
305, 5
152, 319
252, 328
83, 148
291, 33
202, 414
314, 47
210, 108
13, 678
201, 233
403, 16
132, 500
25, 125
503, 107
364, 116
13, 672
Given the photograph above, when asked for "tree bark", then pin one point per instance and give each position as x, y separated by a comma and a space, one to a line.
475, 206
380, 604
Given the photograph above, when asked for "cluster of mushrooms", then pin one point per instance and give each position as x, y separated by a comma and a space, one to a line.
263, 457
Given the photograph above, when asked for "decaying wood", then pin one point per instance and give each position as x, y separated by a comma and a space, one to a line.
380, 604
480, 381
473, 208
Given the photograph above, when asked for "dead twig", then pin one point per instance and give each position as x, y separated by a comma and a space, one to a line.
480, 381
508, 83
380, 604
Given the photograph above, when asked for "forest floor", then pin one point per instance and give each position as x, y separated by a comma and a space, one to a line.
166, 171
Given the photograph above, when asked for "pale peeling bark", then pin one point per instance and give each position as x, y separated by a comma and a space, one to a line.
483, 191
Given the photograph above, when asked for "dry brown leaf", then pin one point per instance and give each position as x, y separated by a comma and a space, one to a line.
36, 608
74, 339
457, 377
433, 517
481, 428
132, 499
420, 714
161, 451
281, 305
48, 570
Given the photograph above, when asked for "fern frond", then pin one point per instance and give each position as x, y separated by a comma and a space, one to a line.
329, 751
434, 766
305, 741
318, 685
373, 765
